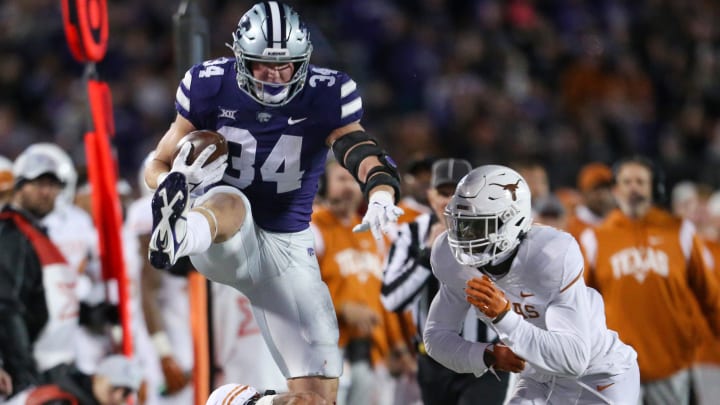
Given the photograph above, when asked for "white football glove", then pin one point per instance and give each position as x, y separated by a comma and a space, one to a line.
381, 213
197, 176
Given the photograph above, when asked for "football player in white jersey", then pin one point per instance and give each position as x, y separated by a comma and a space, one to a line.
526, 282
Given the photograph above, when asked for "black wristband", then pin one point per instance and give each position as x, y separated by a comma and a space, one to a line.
501, 316
381, 175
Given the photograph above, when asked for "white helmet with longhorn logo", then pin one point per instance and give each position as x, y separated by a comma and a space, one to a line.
488, 215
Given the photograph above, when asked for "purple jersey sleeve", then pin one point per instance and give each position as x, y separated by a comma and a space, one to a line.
201, 83
343, 101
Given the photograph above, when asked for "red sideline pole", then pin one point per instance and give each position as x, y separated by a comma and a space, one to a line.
94, 177
86, 27
105, 196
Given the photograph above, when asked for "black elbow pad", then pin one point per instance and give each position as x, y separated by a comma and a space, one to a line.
352, 148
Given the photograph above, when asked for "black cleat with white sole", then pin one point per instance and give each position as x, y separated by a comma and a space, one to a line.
169, 210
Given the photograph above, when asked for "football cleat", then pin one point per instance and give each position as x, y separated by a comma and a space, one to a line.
169, 210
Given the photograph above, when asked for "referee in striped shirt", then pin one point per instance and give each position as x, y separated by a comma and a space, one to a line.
408, 283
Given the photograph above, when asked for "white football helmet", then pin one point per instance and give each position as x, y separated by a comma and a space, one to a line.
487, 215
65, 168
233, 394
271, 32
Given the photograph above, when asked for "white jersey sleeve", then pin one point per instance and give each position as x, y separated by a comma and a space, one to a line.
139, 216
563, 346
446, 316
72, 230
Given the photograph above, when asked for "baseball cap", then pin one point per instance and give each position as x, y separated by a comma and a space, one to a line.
30, 165
120, 371
231, 394
6, 175
420, 164
549, 206
593, 175
449, 171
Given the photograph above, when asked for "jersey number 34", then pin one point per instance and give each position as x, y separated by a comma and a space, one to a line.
282, 165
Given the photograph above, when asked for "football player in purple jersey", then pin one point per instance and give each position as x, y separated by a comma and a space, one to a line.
244, 220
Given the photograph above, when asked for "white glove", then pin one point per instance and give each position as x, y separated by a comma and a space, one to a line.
381, 212
197, 176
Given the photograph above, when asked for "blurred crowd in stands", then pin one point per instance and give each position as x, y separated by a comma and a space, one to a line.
562, 82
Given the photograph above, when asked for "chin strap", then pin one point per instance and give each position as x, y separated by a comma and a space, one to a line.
501, 264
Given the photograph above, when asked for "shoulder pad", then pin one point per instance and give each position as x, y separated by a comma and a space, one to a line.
444, 265
208, 76
200, 83
340, 93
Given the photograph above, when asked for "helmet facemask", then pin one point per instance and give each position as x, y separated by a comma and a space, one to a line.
251, 44
480, 240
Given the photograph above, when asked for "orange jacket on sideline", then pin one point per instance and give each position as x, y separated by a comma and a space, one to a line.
351, 266
709, 351
656, 287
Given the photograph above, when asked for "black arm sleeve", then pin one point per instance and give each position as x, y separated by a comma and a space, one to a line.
19, 272
17, 352
352, 148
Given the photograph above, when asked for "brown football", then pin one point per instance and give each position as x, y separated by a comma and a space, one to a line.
201, 139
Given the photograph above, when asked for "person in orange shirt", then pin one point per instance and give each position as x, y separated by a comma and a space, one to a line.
594, 183
6, 180
351, 265
706, 371
649, 267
